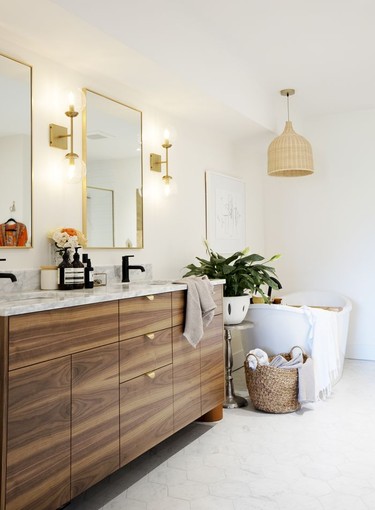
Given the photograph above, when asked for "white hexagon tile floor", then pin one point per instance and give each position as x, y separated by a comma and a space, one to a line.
319, 458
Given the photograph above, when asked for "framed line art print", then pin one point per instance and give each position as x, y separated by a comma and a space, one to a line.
225, 213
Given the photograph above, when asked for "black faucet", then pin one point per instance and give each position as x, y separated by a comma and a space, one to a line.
11, 276
126, 267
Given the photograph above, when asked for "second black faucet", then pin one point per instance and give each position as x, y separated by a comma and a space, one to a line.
11, 276
126, 267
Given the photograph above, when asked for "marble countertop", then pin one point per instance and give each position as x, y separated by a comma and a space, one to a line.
16, 303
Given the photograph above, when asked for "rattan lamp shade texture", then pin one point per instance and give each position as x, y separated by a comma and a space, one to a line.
290, 154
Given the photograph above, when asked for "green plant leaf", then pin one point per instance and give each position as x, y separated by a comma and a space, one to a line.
243, 272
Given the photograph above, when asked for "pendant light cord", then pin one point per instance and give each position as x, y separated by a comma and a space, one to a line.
287, 102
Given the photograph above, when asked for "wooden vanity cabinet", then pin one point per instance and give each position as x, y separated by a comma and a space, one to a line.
85, 390
60, 391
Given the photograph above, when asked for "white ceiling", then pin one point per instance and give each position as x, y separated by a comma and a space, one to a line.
222, 60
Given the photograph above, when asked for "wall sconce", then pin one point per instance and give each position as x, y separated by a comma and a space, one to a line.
156, 162
58, 137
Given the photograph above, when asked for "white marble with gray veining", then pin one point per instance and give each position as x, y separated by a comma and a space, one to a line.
35, 301
18, 302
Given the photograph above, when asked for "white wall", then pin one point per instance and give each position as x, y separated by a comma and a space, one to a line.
323, 224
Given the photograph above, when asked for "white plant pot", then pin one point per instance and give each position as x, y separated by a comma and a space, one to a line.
235, 309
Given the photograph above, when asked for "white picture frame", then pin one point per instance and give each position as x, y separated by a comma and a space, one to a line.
225, 213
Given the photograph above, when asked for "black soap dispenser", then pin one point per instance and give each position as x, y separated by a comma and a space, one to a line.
65, 272
79, 271
89, 275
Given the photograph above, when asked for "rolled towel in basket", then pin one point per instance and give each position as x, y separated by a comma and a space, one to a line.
280, 362
261, 358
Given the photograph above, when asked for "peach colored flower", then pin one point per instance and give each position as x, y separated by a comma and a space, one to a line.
69, 231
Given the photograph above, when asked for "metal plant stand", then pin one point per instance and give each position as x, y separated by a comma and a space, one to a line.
231, 399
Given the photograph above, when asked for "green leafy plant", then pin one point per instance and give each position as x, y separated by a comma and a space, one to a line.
244, 273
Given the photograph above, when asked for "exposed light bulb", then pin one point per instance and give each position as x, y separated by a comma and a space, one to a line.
71, 101
74, 172
168, 185
167, 190
166, 136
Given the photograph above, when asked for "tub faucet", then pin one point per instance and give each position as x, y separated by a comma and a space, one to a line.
269, 293
11, 276
126, 267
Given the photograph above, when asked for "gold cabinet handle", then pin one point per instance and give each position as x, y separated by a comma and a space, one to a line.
150, 336
151, 375
151, 298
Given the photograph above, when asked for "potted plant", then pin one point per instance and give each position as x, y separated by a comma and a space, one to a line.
244, 275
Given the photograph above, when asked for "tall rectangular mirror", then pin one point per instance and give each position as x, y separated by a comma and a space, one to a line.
112, 190
15, 154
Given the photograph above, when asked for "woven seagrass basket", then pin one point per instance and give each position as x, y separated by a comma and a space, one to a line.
271, 389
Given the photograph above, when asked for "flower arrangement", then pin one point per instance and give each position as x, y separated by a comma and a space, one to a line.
64, 238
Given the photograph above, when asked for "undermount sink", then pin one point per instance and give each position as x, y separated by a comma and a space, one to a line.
25, 297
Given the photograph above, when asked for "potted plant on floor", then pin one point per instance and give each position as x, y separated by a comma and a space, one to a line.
244, 275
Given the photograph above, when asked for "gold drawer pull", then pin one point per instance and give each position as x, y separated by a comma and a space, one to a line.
151, 298
150, 336
151, 375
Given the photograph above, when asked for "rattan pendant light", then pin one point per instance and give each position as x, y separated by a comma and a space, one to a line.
290, 154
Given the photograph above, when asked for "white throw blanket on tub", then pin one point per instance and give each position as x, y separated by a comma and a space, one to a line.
323, 342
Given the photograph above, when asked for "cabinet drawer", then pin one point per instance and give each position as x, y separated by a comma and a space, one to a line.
146, 413
145, 353
36, 337
142, 315
179, 304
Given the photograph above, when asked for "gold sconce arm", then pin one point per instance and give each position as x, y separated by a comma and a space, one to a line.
156, 162
58, 137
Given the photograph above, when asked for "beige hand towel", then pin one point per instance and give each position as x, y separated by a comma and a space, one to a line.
200, 307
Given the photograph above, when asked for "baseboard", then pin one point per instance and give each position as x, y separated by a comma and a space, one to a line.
360, 351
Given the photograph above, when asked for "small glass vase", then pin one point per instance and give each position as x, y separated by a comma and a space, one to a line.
56, 254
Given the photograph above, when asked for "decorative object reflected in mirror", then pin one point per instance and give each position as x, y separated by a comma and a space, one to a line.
15, 154
112, 190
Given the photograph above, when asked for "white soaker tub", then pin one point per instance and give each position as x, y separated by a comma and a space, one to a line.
302, 319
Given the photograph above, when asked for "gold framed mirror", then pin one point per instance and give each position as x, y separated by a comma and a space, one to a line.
15, 154
112, 189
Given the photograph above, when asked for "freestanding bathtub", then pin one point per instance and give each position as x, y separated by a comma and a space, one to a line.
317, 321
